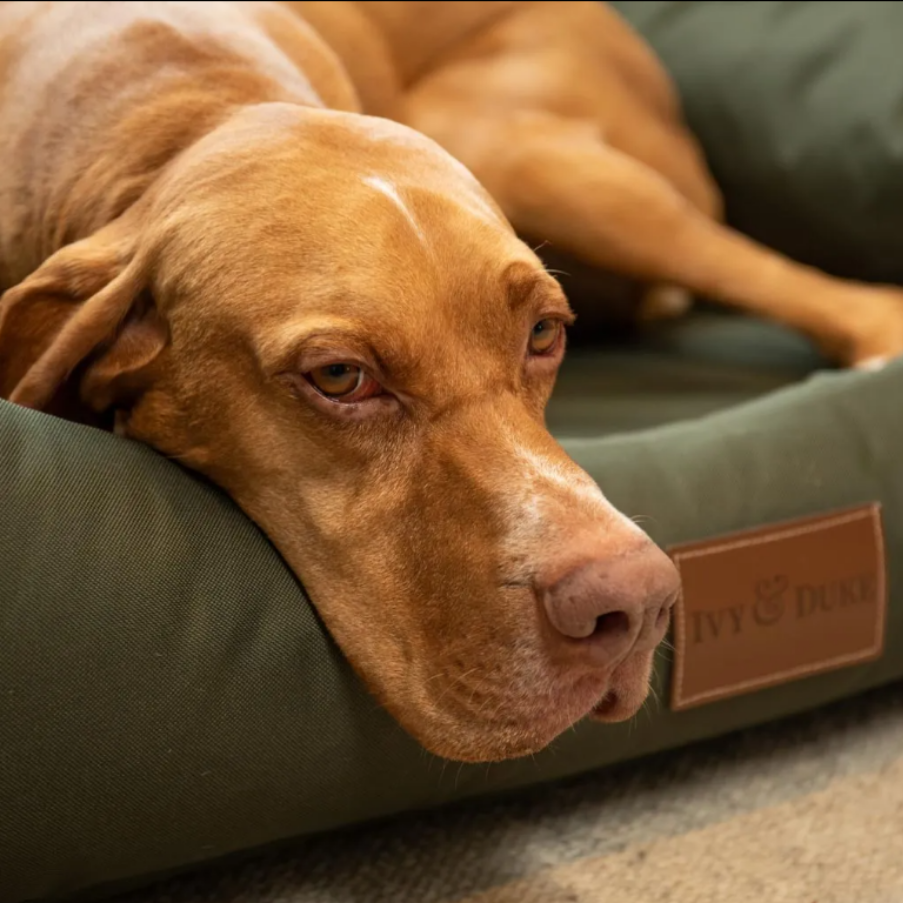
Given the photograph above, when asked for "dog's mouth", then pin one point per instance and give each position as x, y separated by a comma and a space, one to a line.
607, 706
627, 692
614, 707
462, 731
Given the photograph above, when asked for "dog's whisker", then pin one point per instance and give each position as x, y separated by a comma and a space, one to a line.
455, 683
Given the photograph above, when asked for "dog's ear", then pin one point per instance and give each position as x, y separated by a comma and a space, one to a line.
83, 325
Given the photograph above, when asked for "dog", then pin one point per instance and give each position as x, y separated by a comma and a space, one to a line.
288, 245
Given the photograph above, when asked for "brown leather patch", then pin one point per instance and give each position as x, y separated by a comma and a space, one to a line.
778, 603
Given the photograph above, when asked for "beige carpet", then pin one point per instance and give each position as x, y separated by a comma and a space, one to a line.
808, 811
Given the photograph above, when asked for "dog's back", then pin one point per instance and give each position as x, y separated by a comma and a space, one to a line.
95, 97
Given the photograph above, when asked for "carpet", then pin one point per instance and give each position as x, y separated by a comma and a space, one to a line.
809, 810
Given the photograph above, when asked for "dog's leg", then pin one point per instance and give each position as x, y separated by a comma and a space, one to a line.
559, 182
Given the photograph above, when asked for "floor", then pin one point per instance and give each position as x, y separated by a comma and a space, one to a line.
808, 810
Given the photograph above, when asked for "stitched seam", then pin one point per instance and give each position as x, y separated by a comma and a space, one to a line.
882, 578
850, 658
781, 676
783, 534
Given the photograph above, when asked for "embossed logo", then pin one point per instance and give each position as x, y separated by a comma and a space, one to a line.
778, 603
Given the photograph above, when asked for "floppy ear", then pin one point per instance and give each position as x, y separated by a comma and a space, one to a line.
83, 325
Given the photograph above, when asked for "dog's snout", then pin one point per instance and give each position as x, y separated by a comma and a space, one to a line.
614, 605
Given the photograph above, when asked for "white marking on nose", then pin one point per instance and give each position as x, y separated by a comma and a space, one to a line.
544, 486
385, 187
572, 481
555, 510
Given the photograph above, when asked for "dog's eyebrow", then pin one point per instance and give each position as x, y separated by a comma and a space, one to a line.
527, 285
291, 345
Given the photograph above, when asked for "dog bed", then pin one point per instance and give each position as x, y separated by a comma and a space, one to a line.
169, 697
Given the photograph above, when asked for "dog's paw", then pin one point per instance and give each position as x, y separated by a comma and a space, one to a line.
664, 302
876, 330
872, 363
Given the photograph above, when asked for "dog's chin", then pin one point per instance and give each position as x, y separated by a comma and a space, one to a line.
519, 730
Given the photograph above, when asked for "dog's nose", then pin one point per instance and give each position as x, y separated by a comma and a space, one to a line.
615, 605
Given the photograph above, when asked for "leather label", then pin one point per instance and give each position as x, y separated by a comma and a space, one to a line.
778, 603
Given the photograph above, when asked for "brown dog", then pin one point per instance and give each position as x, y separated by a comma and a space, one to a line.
206, 244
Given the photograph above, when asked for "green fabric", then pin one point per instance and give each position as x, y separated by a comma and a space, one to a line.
680, 370
167, 695
797, 105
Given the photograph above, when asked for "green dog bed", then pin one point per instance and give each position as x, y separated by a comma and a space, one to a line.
167, 694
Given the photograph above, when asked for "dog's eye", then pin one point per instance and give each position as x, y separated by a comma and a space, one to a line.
343, 382
545, 337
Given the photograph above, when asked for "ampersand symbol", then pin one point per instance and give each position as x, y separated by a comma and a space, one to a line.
769, 605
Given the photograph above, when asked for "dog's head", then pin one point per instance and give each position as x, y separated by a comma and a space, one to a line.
327, 316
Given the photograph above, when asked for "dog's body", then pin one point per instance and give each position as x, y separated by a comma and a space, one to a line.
205, 242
